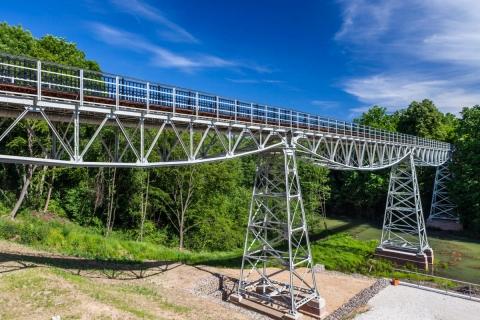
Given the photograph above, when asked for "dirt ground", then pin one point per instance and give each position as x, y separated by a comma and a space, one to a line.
39, 285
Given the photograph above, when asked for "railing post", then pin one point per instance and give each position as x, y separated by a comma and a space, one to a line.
197, 106
251, 113
39, 80
76, 134
142, 139
236, 110
266, 114
148, 96
81, 86
174, 99
117, 92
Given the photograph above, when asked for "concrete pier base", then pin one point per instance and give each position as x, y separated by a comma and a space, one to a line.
445, 225
314, 308
401, 257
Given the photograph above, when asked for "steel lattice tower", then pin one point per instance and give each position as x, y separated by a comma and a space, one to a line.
277, 235
404, 236
442, 207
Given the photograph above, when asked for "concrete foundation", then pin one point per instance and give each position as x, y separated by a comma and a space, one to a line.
445, 225
314, 308
401, 257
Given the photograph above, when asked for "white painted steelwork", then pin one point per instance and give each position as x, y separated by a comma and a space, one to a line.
404, 225
442, 207
59, 94
277, 232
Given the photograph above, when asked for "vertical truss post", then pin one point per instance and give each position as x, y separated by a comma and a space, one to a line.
442, 207
404, 237
76, 135
277, 260
443, 212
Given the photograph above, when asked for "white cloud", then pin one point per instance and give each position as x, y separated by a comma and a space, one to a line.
171, 31
364, 20
163, 57
418, 49
325, 104
255, 81
397, 91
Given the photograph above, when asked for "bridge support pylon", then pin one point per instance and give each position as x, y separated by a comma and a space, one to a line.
404, 237
443, 212
277, 261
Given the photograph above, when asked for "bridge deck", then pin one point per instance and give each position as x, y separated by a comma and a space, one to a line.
24, 77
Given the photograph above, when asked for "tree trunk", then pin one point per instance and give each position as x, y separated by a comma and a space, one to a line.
23, 192
144, 207
110, 210
49, 194
27, 177
180, 245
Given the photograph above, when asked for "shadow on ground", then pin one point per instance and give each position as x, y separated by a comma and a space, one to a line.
111, 269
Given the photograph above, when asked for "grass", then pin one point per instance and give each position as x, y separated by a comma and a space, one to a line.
70, 239
33, 287
347, 246
120, 296
53, 291
456, 257
342, 252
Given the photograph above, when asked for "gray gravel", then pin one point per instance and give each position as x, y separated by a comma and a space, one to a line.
407, 303
360, 299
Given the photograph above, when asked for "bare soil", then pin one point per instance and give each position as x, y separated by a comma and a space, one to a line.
40, 285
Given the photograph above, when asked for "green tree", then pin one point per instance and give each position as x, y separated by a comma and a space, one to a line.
465, 187
377, 117
422, 119
18, 41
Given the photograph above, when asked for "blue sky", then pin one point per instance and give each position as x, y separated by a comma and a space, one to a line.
334, 58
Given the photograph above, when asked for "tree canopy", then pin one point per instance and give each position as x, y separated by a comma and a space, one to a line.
18, 41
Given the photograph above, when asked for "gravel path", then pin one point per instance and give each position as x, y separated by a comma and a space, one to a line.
359, 300
406, 303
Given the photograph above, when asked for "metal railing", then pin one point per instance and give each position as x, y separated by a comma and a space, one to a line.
457, 288
46, 80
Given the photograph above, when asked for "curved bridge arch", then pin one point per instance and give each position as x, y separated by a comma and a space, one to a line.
343, 153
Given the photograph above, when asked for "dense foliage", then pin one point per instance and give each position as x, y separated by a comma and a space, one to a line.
466, 168
205, 207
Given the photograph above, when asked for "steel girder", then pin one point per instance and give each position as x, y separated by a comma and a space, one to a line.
404, 225
118, 139
277, 235
344, 153
442, 207
185, 139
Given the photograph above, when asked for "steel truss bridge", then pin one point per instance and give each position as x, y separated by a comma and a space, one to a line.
98, 119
